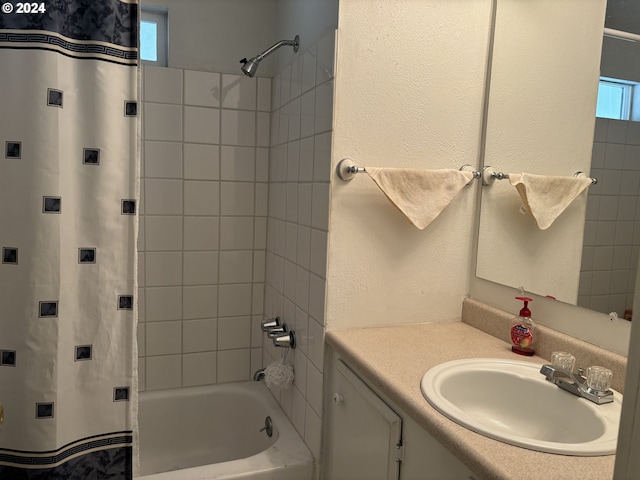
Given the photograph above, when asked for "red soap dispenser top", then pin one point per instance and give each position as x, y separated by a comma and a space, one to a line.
522, 330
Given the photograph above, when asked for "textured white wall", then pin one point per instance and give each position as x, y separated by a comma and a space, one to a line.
212, 36
541, 119
409, 91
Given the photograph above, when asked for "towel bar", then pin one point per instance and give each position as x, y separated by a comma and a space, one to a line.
347, 169
489, 175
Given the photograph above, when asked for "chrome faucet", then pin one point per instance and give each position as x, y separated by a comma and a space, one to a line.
576, 383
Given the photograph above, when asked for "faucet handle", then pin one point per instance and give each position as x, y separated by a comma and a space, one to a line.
599, 378
270, 323
563, 360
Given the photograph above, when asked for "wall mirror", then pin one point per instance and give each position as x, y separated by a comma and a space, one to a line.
589, 255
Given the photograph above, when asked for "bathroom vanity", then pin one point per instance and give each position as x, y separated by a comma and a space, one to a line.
389, 362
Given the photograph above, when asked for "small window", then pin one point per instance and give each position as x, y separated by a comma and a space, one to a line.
154, 38
615, 99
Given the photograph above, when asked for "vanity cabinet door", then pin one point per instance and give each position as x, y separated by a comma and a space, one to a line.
364, 433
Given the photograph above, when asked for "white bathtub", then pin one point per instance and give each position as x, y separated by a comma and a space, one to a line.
211, 432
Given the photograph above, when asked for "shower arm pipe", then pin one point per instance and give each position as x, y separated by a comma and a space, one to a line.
621, 35
295, 43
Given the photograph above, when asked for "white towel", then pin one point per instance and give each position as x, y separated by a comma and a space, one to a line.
420, 194
546, 197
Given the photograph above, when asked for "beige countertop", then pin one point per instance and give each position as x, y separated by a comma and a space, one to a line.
394, 359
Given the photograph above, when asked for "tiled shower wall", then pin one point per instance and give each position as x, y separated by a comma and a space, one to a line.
612, 230
202, 226
300, 167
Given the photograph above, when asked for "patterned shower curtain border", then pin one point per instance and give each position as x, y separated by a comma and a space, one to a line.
85, 29
54, 458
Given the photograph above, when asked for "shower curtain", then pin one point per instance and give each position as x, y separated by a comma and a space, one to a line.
68, 202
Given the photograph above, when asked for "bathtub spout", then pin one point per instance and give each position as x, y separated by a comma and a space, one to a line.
259, 375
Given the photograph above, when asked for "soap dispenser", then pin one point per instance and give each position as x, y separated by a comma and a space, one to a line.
523, 330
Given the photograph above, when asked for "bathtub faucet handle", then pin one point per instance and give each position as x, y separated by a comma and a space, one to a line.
287, 340
270, 323
268, 426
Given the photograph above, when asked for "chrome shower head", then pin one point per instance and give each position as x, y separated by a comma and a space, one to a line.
250, 66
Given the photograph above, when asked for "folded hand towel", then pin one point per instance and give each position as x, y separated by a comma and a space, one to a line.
420, 194
546, 197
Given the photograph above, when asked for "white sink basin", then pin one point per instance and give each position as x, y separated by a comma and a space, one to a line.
512, 402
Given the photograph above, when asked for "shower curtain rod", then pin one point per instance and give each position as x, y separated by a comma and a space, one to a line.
621, 35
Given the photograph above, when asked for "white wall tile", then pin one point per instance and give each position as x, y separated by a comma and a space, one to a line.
309, 69
235, 300
200, 268
289, 280
141, 240
322, 158
283, 124
201, 162
162, 122
199, 335
262, 164
163, 372
257, 298
202, 125
317, 288
163, 268
199, 369
307, 114
256, 333
142, 374
296, 77
236, 266
261, 200
291, 241
292, 202
260, 233
141, 276
597, 155
234, 365
275, 92
302, 330
304, 203
236, 233
200, 302
617, 131
141, 299
264, 94
164, 338
303, 251
201, 88
320, 206
162, 85
141, 339
302, 288
278, 164
285, 85
163, 159
294, 119
163, 197
238, 128
237, 163
614, 156
163, 303
258, 266
305, 170
315, 351
164, 233
237, 198
201, 198
274, 127
262, 138
318, 259
293, 161
234, 333
239, 91
201, 233
633, 133
324, 107
325, 58
600, 134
